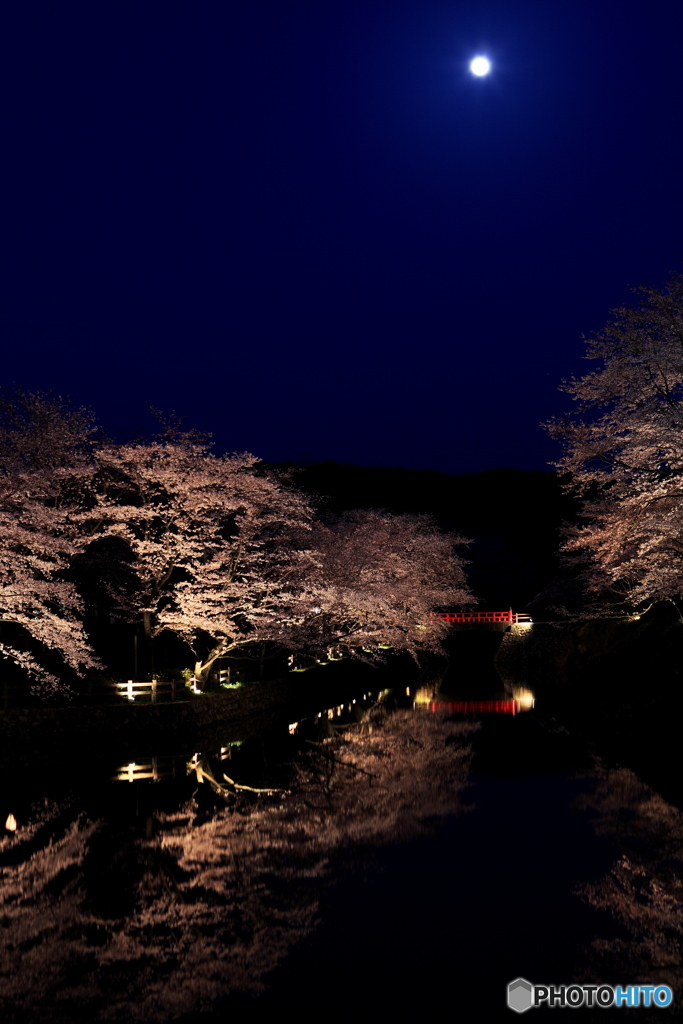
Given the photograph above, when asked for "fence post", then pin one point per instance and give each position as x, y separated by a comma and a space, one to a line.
154, 691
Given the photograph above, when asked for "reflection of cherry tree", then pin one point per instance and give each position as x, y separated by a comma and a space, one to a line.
642, 892
381, 576
162, 927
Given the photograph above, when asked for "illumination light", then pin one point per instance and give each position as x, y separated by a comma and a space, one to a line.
424, 695
11, 823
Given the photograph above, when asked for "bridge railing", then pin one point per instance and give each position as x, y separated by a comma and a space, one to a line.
513, 618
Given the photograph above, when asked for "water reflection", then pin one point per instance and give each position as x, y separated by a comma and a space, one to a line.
642, 891
328, 722
156, 768
507, 699
183, 890
481, 707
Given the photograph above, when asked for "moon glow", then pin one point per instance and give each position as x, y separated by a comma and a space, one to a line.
480, 66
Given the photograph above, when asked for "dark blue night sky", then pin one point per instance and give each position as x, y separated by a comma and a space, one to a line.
307, 228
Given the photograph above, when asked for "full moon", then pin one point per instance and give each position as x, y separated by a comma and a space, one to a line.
480, 66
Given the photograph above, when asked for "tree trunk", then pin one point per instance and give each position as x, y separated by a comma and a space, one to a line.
148, 643
203, 668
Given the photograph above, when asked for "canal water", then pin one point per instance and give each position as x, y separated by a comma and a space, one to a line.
403, 852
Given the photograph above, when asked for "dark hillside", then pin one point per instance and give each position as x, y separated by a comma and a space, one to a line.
513, 517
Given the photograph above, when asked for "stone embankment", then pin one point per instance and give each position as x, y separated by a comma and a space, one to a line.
595, 649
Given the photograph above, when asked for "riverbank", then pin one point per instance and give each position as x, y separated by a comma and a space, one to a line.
43, 734
618, 684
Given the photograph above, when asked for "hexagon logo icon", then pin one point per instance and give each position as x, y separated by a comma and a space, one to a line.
520, 995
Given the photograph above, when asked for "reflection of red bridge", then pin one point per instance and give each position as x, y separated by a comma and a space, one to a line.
480, 707
509, 617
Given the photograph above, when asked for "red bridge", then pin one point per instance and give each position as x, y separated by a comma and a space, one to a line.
509, 617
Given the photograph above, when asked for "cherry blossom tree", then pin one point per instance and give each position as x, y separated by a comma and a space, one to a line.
216, 558
36, 596
213, 550
44, 470
380, 578
623, 448
43, 431
223, 555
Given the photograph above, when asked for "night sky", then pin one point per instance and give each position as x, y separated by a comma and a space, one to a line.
306, 227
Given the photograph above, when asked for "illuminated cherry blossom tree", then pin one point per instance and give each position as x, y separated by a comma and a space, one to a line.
380, 578
42, 431
214, 559
214, 550
35, 596
44, 471
624, 450
223, 555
